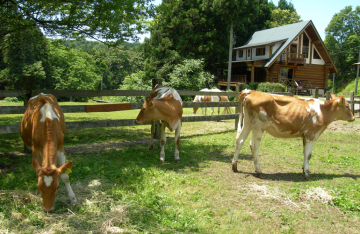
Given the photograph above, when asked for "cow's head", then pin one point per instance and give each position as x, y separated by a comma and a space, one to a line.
343, 111
195, 110
148, 112
48, 183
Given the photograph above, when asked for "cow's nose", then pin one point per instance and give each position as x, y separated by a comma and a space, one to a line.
49, 210
136, 122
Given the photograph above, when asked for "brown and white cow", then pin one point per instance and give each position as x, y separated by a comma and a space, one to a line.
202, 98
42, 128
163, 104
286, 117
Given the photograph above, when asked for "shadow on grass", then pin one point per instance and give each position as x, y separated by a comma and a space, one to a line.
299, 177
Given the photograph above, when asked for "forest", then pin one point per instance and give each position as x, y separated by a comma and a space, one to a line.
95, 46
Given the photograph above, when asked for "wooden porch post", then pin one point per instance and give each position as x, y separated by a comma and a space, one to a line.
252, 74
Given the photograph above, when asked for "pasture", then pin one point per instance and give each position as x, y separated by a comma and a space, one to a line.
122, 187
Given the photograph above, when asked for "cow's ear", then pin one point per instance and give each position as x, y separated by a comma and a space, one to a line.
63, 168
341, 100
35, 164
332, 96
151, 104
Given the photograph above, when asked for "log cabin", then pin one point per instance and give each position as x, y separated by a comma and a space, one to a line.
293, 55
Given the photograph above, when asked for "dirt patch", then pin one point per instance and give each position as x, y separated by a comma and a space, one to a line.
343, 126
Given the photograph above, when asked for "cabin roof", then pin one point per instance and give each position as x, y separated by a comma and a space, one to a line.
287, 34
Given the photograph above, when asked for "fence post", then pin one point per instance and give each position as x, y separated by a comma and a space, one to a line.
28, 85
155, 125
327, 95
316, 93
352, 104
238, 89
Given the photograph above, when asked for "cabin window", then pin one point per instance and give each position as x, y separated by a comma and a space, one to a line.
316, 54
241, 53
249, 53
293, 48
305, 47
260, 51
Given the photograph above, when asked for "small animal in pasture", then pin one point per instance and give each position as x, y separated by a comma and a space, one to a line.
42, 128
163, 104
203, 98
286, 117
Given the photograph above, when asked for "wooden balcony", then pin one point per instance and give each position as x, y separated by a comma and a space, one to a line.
222, 80
293, 58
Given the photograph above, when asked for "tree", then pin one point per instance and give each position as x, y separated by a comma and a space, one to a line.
232, 12
188, 29
110, 21
342, 39
28, 56
281, 17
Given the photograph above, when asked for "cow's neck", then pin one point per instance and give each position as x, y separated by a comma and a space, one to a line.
328, 111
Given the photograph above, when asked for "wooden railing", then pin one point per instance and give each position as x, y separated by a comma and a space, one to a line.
297, 86
222, 80
293, 58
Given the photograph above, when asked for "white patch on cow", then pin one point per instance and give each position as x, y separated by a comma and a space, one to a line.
48, 180
47, 112
246, 91
314, 119
37, 96
165, 91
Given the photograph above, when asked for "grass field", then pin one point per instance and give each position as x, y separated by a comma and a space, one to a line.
125, 189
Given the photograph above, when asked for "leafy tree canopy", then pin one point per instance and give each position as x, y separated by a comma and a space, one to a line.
108, 21
281, 17
343, 42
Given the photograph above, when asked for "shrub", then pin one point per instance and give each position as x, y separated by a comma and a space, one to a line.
271, 87
11, 99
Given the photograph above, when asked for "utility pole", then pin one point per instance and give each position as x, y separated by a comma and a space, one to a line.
101, 85
230, 54
357, 74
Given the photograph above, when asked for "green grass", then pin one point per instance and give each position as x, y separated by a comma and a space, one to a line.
126, 189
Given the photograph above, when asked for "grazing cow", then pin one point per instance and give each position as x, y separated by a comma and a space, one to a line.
163, 104
42, 128
286, 117
202, 98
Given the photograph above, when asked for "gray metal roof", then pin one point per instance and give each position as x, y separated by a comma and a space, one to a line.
259, 44
286, 33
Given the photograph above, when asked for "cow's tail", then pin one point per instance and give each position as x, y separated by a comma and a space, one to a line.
242, 96
228, 109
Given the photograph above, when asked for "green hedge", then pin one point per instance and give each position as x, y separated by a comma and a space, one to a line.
271, 87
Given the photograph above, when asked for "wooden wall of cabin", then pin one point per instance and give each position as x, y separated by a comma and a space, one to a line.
316, 74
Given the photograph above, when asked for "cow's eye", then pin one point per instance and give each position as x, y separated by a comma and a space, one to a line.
143, 109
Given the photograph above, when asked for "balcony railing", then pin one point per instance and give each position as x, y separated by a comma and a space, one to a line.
293, 58
222, 80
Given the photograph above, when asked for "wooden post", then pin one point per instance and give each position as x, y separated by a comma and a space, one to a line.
316, 93
28, 85
327, 95
155, 125
352, 104
239, 88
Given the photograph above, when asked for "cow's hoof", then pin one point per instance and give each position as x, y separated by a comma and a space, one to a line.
151, 147
260, 175
162, 160
234, 167
177, 160
307, 177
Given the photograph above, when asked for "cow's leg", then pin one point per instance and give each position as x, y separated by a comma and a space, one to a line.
65, 177
202, 111
218, 110
254, 146
307, 149
162, 142
151, 146
241, 136
177, 141
212, 110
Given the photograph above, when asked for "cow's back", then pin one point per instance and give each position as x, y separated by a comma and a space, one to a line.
33, 124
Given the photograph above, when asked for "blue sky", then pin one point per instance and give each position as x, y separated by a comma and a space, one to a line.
319, 11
